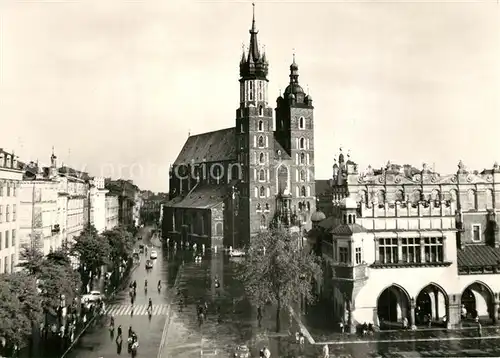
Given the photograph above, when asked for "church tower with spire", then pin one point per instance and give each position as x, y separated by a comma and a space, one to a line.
254, 134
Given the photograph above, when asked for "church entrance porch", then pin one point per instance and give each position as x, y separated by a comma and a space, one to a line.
431, 306
393, 308
478, 304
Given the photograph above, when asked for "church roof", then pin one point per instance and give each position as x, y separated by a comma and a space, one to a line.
277, 147
214, 146
322, 186
204, 197
348, 229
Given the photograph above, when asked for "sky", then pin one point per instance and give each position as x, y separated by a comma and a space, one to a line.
116, 86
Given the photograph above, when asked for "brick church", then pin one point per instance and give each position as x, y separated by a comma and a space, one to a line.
229, 184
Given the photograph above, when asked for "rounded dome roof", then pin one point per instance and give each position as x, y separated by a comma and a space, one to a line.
293, 88
291, 95
349, 203
318, 216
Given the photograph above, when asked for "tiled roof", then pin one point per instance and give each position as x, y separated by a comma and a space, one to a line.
210, 147
322, 186
201, 198
348, 229
478, 255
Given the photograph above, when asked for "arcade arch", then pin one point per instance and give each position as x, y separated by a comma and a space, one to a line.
393, 306
431, 305
477, 301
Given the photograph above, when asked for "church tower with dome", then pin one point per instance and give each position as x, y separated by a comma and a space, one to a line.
261, 173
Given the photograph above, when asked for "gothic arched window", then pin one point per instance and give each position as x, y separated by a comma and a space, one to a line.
303, 191
261, 109
262, 158
302, 175
302, 158
262, 175
301, 123
302, 143
261, 142
219, 229
258, 207
267, 207
262, 192
261, 126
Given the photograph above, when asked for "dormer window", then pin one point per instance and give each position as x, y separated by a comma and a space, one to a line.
302, 123
7, 161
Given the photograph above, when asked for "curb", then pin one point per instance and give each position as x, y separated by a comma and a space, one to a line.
169, 316
72, 345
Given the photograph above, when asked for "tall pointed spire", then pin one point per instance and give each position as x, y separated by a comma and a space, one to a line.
253, 50
255, 65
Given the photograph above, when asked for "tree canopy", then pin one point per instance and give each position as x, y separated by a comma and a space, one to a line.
121, 244
19, 308
92, 251
282, 274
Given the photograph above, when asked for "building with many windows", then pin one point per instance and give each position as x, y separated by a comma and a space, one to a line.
405, 246
98, 204
229, 184
126, 191
77, 210
38, 211
112, 205
10, 179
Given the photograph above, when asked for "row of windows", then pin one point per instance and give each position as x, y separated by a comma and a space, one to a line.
344, 256
299, 175
9, 264
260, 124
435, 197
8, 239
411, 250
8, 217
301, 191
259, 207
10, 189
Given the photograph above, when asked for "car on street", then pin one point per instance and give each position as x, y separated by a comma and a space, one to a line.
141, 248
242, 352
93, 296
154, 255
149, 264
236, 253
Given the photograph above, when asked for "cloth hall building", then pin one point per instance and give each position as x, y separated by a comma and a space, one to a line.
406, 246
228, 184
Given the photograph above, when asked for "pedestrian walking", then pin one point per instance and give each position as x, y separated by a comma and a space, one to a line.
326, 351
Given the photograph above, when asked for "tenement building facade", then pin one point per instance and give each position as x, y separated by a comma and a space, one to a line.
10, 181
227, 185
408, 246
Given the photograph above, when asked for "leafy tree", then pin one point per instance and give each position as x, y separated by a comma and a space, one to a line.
24, 287
57, 279
280, 275
32, 258
15, 325
92, 251
121, 243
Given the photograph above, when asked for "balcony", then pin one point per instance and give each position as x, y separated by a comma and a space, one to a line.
351, 273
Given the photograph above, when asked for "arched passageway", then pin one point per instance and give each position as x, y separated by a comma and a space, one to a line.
393, 307
431, 306
477, 302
